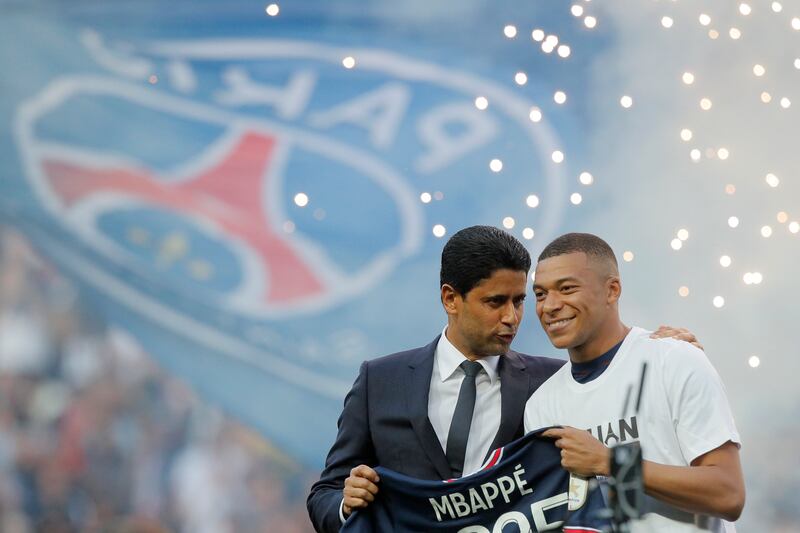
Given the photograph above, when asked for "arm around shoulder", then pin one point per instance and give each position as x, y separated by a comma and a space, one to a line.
353, 447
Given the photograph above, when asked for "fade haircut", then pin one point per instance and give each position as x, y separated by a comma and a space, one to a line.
592, 245
475, 253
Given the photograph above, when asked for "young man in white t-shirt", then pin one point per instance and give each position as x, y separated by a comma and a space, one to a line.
690, 445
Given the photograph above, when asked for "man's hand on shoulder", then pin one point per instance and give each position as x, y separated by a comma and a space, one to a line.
360, 489
681, 334
581, 453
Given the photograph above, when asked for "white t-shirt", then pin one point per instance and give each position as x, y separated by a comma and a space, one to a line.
684, 413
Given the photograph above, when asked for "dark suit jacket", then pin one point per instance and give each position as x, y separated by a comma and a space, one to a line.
385, 422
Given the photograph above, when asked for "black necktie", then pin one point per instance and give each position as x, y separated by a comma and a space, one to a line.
462, 419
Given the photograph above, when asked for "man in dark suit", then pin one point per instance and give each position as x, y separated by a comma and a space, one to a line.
435, 412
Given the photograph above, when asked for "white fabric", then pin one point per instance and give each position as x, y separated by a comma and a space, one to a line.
446, 379
684, 413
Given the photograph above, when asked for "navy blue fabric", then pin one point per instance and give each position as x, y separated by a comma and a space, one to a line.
586, 372
385, 422
536, 496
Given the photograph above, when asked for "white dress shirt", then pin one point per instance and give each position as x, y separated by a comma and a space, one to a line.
446, 379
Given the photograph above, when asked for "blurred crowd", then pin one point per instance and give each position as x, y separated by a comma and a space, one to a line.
94, 437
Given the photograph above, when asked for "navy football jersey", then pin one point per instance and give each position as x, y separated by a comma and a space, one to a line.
522, 487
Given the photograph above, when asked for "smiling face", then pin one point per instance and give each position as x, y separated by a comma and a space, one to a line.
484, 321
576, 302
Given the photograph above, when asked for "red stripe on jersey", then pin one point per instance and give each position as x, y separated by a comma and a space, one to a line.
493, 459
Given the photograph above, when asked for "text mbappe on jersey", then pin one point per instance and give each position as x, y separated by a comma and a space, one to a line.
511, 492
481, 498
521, 488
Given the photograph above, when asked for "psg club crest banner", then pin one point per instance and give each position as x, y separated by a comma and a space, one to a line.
260, 195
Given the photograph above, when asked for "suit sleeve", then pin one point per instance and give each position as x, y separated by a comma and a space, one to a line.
353, 446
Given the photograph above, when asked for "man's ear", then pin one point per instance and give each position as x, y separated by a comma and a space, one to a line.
614, 286
451, 299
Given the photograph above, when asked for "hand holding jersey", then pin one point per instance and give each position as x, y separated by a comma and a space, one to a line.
359, 489
685, 427
581, 453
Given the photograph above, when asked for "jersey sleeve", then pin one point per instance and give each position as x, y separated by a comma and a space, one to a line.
700, 409
591, 514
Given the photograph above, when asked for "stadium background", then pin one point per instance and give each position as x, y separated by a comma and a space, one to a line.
212, 212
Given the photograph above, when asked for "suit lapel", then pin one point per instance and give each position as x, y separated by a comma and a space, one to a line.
420, 368
513, 396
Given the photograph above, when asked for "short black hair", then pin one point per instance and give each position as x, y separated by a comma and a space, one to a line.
475, 253
591, 245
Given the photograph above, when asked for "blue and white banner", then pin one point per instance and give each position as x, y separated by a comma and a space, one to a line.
254, 195
260, 192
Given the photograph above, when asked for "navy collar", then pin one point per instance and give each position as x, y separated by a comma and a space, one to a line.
590, 370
